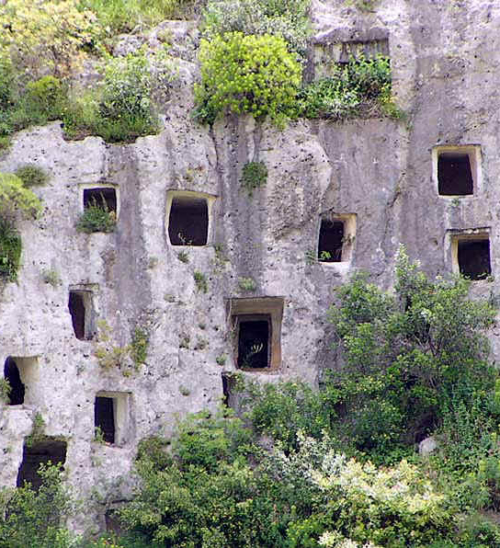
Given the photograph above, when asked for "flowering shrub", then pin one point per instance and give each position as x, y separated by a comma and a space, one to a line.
247, 74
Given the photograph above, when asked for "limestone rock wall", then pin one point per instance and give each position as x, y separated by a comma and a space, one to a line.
444, 58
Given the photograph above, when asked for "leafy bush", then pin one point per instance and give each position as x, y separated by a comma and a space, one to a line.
31, 175
96, 218
33, 518
10, 251
5, 390
287, 19
408, 356
254, 175
362, 88
123, 16
200, 281
122, 109
16, 199
41, 36
260, 77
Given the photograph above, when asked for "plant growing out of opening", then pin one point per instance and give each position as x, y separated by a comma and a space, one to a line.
97, 218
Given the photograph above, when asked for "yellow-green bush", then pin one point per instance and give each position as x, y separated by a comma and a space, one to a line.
247, 74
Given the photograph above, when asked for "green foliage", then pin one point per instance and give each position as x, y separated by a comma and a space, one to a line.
254, 175
247, 284
201, 281
122, 108
362, 88
139, 346
183, 256
51, 277
33, 518
15, 198
96, 218
10, 251
37, 430
260, 77
5, 390
409, 356
31, 175
124, 16
287, 19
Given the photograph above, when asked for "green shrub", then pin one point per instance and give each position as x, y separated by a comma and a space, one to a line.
10, 251
139, 346
121, 109
254, 175
31, 175
260, 77
16, 199
409, 356
96, 218
200, 281
247, 284
5, 390
287, 19
362, 88
33, 518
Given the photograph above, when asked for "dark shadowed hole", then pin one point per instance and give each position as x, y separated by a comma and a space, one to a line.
40, 453
104, 418
188, 221
105, 198
11, 373
331, 238
77, 310
474, 258
253, 342
454, 174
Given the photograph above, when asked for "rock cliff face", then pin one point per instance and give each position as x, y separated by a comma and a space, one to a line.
377, 177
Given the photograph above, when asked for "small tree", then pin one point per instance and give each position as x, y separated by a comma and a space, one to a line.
409, 355
247, 74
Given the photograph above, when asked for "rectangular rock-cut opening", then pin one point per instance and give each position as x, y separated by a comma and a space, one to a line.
232, 397
455, 174
102, 197
111, 416
331, 240
254, 341
188, 220
80, 308
456, 169
474, 258
336, 238
256, 325
22, 375
104, 418
47, 450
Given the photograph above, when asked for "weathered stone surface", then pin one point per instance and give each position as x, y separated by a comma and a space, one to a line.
444, 58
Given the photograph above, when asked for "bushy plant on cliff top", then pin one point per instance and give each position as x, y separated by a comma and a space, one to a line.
247, 74
284, 18
45, 34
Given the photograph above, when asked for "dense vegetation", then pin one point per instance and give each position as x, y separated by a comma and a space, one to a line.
334, 468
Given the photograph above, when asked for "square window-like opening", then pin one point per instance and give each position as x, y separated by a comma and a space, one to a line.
256, 325
13, 376
111, 417
47, 450
104, 418
455, 174
188, 221
80, 308
102, 197
254, 336
474, 258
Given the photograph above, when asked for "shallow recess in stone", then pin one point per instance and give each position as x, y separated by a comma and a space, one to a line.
188, 221
13, 376
48, 449
102, 197
455, 174
473, 257
104, 418
80, 308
